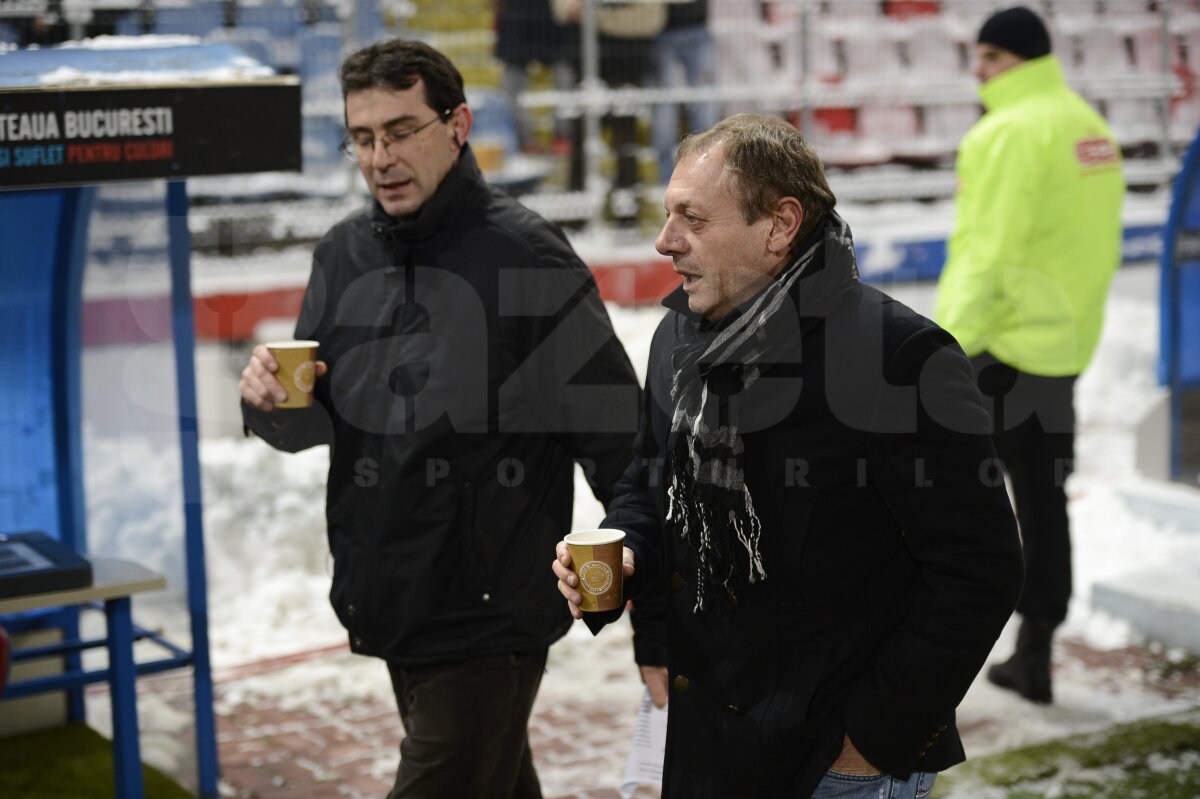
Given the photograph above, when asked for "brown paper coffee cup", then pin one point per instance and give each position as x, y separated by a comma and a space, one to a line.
297, 371
596, 559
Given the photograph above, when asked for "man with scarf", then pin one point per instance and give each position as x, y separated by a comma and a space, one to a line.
820, 546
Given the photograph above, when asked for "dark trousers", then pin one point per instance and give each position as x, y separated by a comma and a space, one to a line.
1033, 428
465, 728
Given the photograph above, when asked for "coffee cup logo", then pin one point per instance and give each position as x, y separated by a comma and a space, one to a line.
595, 577
304, 376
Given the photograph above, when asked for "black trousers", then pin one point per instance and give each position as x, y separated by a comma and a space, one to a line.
466, 728
1033, 429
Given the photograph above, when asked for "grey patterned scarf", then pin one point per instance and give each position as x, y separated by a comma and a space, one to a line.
709, 505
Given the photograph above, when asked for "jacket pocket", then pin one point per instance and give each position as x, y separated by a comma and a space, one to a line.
349, 591
788, 727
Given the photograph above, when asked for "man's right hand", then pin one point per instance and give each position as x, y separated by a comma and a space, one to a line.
258, 385
568, 581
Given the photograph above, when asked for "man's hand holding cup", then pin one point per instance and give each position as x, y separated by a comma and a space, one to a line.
281, 374
591, 567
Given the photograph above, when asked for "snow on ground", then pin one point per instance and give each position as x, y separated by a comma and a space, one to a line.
268, 563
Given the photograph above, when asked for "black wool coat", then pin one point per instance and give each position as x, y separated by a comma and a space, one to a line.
890, 548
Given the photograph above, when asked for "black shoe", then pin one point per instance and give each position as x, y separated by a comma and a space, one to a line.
1030, 680
1027, 672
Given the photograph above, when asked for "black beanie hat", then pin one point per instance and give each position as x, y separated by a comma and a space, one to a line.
1018, 30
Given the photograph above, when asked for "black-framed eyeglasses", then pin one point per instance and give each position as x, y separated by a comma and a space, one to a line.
361, 147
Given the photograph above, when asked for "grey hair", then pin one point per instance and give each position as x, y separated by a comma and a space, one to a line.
767, 159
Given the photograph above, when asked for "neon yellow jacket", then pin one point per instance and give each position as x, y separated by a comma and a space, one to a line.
1037, 230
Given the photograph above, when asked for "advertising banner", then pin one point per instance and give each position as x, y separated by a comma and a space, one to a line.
63, 137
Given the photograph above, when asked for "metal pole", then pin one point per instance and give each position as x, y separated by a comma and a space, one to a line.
126, 753
593, 145
806, 106
1172, 299
66, 373
1164, 102
183, 329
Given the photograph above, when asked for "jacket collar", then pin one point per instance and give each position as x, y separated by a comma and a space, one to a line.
461, 191
1013, 85
832, 271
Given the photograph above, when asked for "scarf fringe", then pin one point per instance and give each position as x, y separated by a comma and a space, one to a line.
748, 532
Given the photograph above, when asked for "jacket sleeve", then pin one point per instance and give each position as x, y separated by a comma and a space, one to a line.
603, 442
289, 430
634, 511
995, 214
576, 382
298, 429
938, 479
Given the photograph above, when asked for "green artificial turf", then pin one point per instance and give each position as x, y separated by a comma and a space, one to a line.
72, 762
1155, 758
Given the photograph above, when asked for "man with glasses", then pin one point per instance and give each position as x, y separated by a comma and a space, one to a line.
465, 361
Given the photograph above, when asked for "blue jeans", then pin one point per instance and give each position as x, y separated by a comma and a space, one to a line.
850, 786
692, 49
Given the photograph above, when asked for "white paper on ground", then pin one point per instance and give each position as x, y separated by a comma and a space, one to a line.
645, 763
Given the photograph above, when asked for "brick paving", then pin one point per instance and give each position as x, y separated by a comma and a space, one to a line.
350, 751
278, 736
278, 740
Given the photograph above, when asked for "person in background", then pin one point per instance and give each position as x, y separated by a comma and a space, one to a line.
465, 361
627, 34
43, 27
812, 501
1036, 241
627, 39
684, 57
526, 33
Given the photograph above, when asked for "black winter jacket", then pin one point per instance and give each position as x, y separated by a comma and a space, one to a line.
890, 548
470, 361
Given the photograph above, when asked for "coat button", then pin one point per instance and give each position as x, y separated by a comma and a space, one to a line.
676, 582
486, 597
942, 728
681, 684
351, 611
358, 643
735, 710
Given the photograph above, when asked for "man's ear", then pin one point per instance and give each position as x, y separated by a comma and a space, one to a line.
460, 124
785, 225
